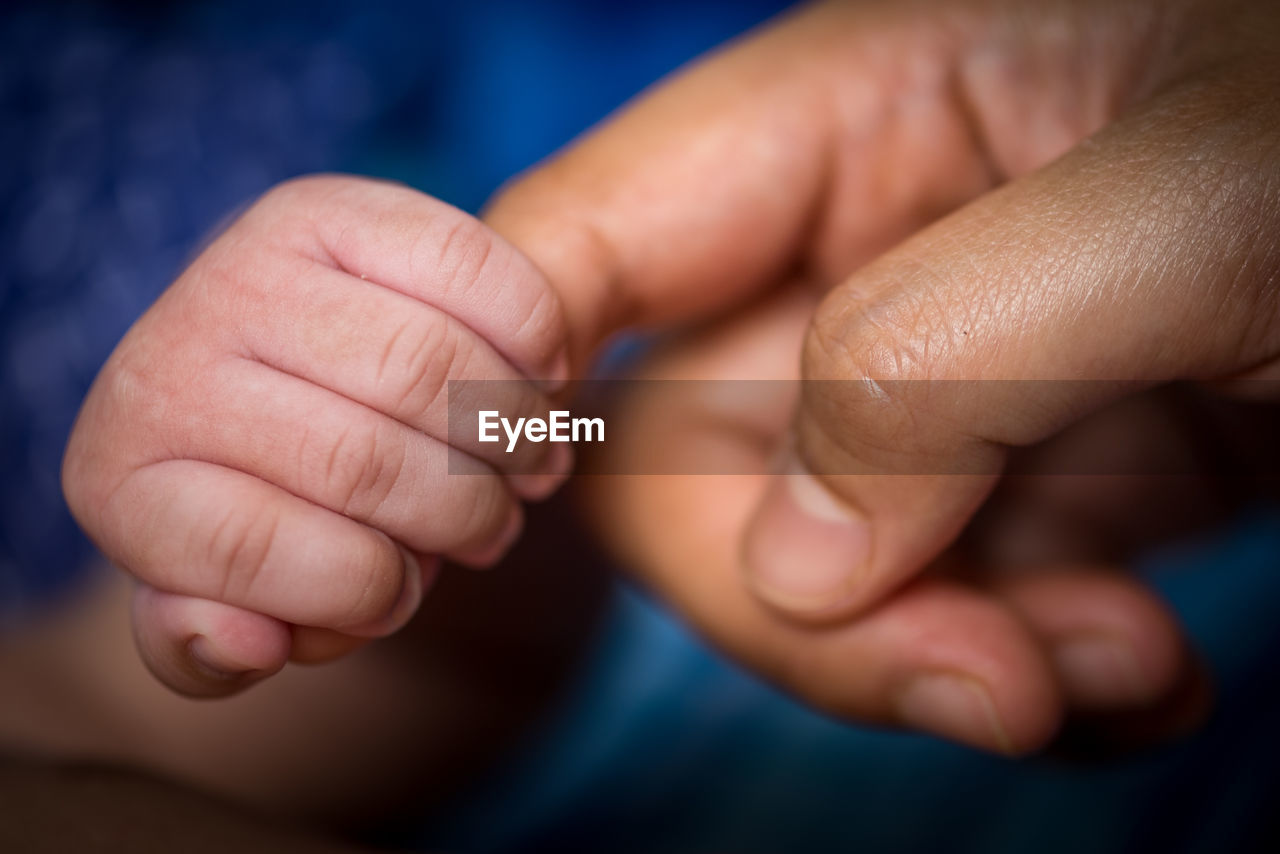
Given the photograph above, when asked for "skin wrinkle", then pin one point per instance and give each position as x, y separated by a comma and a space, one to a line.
380, 475
1188, 224
310, 198
201, 458
358, 612
440, 351
393, 341
539, 324
889, 406
1081, 263
337, 480
882, 394
1267, 239
300, 465
926, 322
358, 474
466, 241
962, 322
113, 528
458, 261
333, 485
241, 573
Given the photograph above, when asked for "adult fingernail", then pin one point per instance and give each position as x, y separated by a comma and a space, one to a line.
805, 549
954, 706
1100, 668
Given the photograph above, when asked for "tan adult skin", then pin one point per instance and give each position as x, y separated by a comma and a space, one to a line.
983, 190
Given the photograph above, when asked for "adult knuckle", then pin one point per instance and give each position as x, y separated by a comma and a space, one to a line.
869, 371
883, 342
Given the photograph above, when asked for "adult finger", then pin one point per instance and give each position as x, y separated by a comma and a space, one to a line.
937, 657
811, 145
1112, 642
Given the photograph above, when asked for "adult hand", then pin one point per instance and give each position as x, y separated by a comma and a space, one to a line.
1108, 174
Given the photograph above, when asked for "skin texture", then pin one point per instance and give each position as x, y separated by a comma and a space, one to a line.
976, 190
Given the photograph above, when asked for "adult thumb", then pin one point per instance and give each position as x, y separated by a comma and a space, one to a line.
1145, 255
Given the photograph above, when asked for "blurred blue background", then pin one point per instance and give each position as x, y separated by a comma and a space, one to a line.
129, 130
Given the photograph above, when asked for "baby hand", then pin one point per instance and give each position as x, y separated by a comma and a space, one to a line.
267, 450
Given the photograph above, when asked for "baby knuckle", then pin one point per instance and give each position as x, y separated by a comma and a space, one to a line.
419, 362
361, 469
455, 252
239, 548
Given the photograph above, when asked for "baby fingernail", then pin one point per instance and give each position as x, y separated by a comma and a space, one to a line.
1101, 669
806, 549
411, 593
205, 657
954, 706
